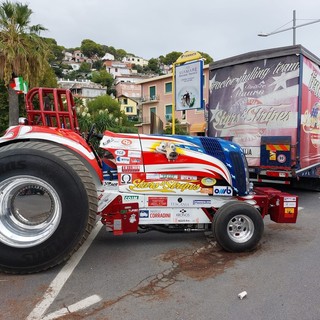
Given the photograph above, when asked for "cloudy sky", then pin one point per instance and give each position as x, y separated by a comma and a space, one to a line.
150, 28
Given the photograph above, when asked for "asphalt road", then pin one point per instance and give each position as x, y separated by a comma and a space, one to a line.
179, 277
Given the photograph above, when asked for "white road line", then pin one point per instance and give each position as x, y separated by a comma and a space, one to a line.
62, 277
83, 304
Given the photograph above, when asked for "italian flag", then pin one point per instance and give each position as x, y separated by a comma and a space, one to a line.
19, 85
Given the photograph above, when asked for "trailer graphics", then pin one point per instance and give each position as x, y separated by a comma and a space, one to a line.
268, 103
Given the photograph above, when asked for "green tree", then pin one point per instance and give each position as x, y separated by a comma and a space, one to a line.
179, 129
56, 52
102, 103
112, 51
105, 113
154, 66
85, 67
90, 49
170, 58
120, 54
98, 65
22, 51
207, 58
102, 77
138, 68
49, 79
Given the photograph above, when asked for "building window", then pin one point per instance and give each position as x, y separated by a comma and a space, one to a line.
183, 115
125, 101
168, 114
168, 87
129, 109
152, 93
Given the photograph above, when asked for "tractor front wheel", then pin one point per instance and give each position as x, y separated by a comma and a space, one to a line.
237, 226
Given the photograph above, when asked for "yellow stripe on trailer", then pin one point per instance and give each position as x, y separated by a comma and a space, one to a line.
278, 147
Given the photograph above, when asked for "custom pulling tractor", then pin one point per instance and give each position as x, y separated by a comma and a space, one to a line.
53, 184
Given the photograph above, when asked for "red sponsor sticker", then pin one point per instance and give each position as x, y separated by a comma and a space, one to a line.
126, 142
130, 169
158, 201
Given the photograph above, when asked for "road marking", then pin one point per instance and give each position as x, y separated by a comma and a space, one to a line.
83, 304
62, 277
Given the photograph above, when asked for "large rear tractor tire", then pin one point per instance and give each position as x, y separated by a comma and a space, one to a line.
237, 226
48, 206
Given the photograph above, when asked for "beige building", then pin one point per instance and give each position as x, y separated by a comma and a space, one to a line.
156, 97
135, 60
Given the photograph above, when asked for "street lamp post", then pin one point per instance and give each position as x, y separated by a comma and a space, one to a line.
293, 28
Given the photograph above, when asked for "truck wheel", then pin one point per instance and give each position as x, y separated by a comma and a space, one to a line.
48, 206
237, 226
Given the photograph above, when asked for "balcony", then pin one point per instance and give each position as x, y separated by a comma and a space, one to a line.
150, 99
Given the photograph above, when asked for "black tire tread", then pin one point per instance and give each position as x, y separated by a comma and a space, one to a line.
83, 173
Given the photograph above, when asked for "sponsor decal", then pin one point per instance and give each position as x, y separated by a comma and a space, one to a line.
131, 198
108, 183
152, 176
126, 142
289, 199
160, 215
208, 182
183, 177
222, 191
130, 168
144, 214
206, 190
140, 185
106, 141
120, 152
134, 154
183, 214
180, 204
157, 201
287, 204
201, 201
135, 160
132, 218
169, 176
125, 160
126, 178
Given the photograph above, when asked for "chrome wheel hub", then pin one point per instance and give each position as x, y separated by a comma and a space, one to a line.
30, 211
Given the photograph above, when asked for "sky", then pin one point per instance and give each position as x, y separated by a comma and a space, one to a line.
150, 28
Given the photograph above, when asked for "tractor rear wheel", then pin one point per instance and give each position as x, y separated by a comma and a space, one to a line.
48, 205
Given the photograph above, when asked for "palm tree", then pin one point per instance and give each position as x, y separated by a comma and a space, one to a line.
22, 51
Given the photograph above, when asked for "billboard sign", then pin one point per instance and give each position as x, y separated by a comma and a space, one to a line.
189, 86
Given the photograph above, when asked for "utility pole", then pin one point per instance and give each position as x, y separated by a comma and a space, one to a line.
293, 28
